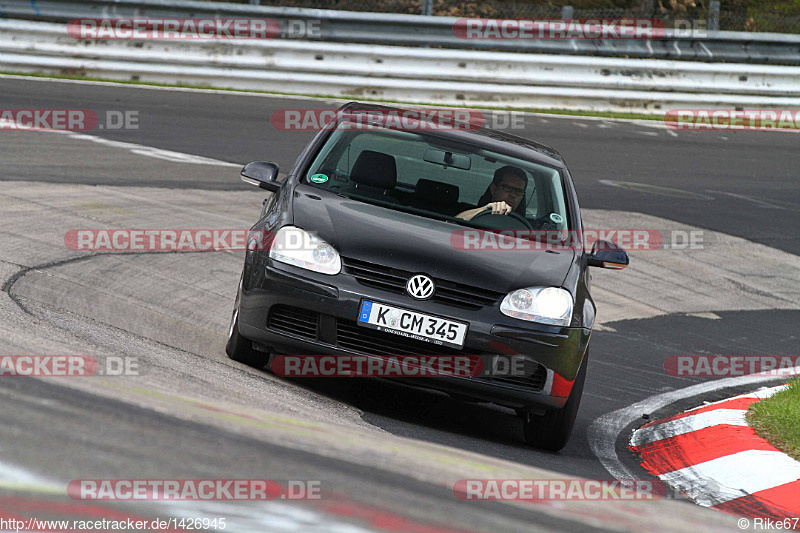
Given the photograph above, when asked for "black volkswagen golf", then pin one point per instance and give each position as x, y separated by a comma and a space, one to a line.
427, 239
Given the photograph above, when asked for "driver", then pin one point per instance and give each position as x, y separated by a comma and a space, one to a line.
507, 191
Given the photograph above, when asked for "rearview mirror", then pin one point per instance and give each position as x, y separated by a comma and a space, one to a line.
448, 159
606, 254
263, 174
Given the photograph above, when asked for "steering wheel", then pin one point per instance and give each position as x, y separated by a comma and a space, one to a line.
501, 221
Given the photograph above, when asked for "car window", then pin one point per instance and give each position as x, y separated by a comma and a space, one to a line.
430, 178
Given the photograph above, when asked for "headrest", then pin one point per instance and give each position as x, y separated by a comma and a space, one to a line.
436, 192
375, 169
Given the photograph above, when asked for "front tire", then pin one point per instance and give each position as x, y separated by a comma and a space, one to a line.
552, 430
238, 348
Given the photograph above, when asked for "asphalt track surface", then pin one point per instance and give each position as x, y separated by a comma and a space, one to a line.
741, 184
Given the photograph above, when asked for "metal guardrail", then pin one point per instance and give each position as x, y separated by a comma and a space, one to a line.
418, 30
415, 74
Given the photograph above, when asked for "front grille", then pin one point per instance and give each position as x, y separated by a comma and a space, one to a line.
294, 320
368, 341
350, 336
372, 275
394, 280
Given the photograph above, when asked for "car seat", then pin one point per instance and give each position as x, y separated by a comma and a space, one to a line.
374, 175
437, 197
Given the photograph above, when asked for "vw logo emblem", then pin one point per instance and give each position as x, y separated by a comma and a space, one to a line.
420, 287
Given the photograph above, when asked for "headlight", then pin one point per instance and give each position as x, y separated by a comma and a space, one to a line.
301, 249
547, 305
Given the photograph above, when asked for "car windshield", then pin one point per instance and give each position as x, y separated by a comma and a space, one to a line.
433, 177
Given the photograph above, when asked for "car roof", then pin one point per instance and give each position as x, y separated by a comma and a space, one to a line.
477, 134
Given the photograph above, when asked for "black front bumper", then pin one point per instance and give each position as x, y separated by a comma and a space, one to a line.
288, 310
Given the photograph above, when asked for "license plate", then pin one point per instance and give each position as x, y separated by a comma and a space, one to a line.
412, 325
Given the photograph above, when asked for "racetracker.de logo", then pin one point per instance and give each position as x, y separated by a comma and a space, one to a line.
67, 120
732, 365
384, 366
169, 240
48, 119
173, 28
67, 366
194, 489
558, 29
733, 119
525, 240
558, 489
407, 120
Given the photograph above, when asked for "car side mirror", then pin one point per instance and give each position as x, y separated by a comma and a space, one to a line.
263, 174
606, 254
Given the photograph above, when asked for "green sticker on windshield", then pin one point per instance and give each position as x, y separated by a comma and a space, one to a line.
319, 178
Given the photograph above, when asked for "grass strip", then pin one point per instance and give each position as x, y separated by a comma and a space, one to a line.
777, 419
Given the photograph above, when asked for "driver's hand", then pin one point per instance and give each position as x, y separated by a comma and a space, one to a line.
498, 208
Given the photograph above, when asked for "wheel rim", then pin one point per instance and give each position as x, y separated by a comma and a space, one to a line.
235, 314
233, 320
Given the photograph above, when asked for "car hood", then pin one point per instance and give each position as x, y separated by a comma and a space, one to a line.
416, 244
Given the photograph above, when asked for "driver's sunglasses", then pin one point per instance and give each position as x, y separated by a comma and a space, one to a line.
512, 190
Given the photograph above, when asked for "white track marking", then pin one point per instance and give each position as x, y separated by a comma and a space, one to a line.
706, 315
655, 124
16, 478
655, 189
733, 417
733, 476
149, 151
760, 203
